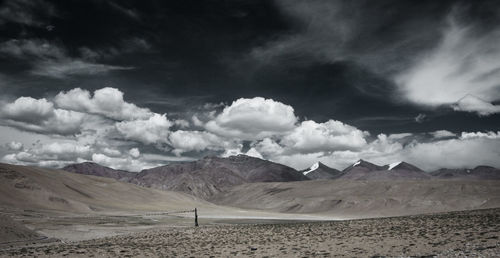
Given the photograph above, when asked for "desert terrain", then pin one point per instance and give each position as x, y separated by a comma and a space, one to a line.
73, 207
470, 233
52, 213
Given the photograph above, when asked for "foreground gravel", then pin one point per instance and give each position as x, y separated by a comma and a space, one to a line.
470, 233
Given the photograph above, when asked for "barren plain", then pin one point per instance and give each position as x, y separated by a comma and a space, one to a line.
468, 233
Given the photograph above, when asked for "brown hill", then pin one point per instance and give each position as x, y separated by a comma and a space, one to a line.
355, 198
46, 189
211, 175
93, 169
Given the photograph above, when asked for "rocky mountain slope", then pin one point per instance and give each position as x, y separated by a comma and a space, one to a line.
201, 178
396, 171
93, 169
321, 171
210, 175
235, 182
360, 169
213, 175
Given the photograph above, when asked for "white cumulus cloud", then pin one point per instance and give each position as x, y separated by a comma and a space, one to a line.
183, 141
268, 147
28, 109
57, 153
103, 127
148, 131
63, 150
332, 135
254, 118
107, 101
39, 115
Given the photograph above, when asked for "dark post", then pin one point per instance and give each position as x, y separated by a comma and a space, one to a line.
195, 217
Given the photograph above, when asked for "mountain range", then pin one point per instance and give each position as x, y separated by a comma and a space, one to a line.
363, 170
212, 175
221, 185
202, 178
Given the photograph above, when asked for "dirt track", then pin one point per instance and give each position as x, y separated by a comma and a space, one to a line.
470, 233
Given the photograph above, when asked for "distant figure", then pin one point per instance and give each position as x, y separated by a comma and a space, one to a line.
195, 217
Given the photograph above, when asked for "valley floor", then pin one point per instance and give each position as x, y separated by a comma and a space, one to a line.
467, 233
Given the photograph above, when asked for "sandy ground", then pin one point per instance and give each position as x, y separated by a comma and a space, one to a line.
470, 233
71, 227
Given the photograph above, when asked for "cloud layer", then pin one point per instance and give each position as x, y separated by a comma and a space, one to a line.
104, 128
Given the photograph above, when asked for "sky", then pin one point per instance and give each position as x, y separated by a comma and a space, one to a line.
137, 84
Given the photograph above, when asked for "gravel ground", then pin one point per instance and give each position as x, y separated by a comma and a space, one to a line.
469, 233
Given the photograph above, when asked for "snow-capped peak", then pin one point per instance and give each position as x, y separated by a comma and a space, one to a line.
312, 168
393, 165
357, 163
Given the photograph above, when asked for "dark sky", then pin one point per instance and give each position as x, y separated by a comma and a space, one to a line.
381, 67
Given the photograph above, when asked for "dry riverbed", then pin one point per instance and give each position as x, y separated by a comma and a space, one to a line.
469, 233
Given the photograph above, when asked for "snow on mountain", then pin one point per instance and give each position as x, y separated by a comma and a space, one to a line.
312, 168
357, 163
393, 165
320, 171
